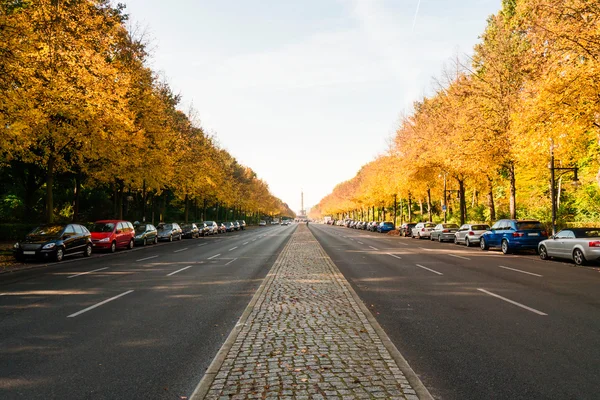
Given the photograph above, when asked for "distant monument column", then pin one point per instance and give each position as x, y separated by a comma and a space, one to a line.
302, 211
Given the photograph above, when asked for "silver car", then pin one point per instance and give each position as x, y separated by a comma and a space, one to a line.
577, 244
443, 232
422, 230
470, 233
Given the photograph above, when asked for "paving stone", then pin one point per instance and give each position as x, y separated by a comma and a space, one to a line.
307, 338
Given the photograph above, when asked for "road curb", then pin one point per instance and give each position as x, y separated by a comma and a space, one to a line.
211, 372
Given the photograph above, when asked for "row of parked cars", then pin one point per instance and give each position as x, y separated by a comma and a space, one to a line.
56, 241
373, 226
581, 245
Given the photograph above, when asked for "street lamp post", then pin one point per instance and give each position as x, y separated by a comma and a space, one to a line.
553, 177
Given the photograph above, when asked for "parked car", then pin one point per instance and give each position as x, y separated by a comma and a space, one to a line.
236, 225
512, 235
360, 224
169, 232
202, 228
422, 230
113, 234
406, 229
385, 227
54, 242
213, 229
242, 224
222, 227
190, 231
262, 223
470, 233
578, 244
145, 233
230, 227
443, 232
373, 226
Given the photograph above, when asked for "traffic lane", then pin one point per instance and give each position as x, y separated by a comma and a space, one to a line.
88, 283
155, 342
563, 278
465, 343
40, 285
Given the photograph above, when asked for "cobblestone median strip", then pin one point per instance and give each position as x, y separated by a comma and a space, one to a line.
307, 335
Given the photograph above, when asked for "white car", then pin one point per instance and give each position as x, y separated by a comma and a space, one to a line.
470, 233
262, 223
577, 244
422, 230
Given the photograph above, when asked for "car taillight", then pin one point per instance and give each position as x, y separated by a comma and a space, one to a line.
518, 234
595, 243
422, 229
445, 231
471, 233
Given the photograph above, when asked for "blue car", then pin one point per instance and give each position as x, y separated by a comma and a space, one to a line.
512, 235
385, 227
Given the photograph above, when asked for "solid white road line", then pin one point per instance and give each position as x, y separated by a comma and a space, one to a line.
215, 256
518, 270
147, 258
99, 304
429, 269
533, 310
203, 244
233, 248
360, 243
395, 256
177, 251
245, 243
179, 270
85, 273
231, 261
454, 255
423, 248
374, 248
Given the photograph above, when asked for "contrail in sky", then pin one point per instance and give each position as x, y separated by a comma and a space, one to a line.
416, 13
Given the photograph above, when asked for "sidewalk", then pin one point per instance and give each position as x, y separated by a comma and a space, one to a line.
306, 335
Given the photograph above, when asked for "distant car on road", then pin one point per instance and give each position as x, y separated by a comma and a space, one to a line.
385, 227
190, 231
145, 233
54, 242
170, 232
422, 230
242, 224
512, 235
112, 234
406, 229
262, 223
470, 233
578, 244
443, 232
202, 228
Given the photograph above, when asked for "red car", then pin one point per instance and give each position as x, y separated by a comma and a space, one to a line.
111, 234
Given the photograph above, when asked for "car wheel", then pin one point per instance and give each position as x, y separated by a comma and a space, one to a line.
440, 239
130, 245
180, 236
60, 254
467, 243
504, 247
483, 245
419, 236
113, 247
578, 257
145, 242
171, 238
155, 239
455, 240
88, 250
543, 252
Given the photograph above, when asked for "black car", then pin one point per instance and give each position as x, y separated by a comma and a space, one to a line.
145, 233
229, 226
55, 242
203, 228
170, 232
406, 229
242, 223
190, 231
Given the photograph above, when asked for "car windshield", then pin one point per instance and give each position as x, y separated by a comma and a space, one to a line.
186, 226
103, 227
450, 225
586, 233
479, 227
529, 225
388, 224
166, 227
141, 229
430, 225
50, 230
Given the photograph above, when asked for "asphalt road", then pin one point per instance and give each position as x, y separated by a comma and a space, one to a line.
136, 324
439, 305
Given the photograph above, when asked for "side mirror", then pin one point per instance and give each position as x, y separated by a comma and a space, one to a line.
552, 237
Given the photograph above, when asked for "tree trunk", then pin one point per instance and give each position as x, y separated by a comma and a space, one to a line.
76, 196
513, 192
49, 184
187, 208
421, 208
120, 201
144, 201
462, 200
429, 203
491, 205
409, 208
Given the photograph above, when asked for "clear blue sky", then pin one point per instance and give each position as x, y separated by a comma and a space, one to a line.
305, 92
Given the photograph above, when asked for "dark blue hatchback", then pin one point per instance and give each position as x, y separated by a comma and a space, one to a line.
511, 235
